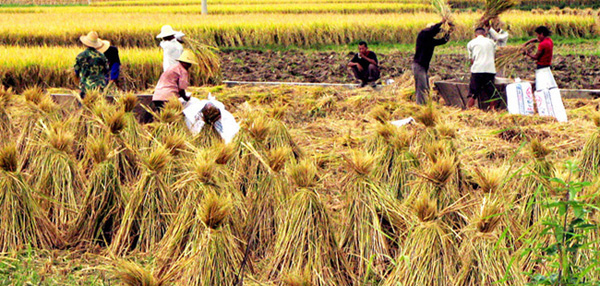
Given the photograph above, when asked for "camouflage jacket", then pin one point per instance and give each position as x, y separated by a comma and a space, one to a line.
92, 68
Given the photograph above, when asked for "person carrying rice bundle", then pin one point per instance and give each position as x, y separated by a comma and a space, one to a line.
543, 56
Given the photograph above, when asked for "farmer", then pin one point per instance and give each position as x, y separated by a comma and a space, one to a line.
174, 81
426, 43
171, 47
91, 66
483, 71
496, 32
365, 66
543, 56
114, 62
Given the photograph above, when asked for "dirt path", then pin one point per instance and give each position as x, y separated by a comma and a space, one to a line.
570, 71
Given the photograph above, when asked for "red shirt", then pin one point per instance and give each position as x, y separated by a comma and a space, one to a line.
546, 47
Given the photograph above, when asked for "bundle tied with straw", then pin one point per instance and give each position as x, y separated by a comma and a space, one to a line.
148, 212
22, 221
103, 205
209, 64
493, 9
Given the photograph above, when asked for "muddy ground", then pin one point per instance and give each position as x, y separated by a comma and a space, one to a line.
577, 72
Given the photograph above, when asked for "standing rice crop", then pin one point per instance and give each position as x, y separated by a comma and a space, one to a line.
22, 221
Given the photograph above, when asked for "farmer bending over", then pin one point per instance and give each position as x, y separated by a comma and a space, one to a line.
365, 66
426, 43
543, 56
172, 48
174, 81
483, 71
91, 66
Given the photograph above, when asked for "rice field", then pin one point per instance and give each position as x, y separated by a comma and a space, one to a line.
318, 187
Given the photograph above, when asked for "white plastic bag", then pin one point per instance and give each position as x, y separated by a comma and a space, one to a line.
192, 110
519, 98
547, 96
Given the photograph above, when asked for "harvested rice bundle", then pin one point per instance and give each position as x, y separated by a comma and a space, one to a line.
485, 253
209, 64
170, 119
306, 244
394, 165
103, 205
133, 133
493, 9
56, 175
150, 208
6, 100
132, 274
22, 221
490, 181
217, 254
430, 249
363, 236
506, 56
444, 10
590, 155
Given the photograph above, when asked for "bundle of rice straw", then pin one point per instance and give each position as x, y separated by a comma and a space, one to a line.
57, 176
216, 255
306, 244
429, 253
363, 236
485, 253
590, 155
209, 64
132, 274
493, 8
22, 221
103, 205
150, 208
442, 8
509, 56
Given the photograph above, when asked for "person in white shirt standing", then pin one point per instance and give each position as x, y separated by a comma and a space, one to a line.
496, 33
171, 47
482, 52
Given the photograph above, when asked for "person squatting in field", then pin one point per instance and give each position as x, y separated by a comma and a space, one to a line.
174, 81
365, 66
426, 43
91, 66
483, 71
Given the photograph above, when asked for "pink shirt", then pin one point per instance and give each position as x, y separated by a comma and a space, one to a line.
174, 79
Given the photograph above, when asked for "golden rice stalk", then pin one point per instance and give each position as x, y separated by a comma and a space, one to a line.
305, 241
175, 143
22, 221
508, 55
217, 254
485, 256
150, 208
363, 236
33, 94
442, 8
278, 157
490, 180
442, 170
130, 273
171, 112
6, 101
127, 101
361, 163
493, 8
380, 114
590, 156
103, 205
539, 150
209, 64
429, 248
57, 176
304, 174
428, 115
208, 137
225, 153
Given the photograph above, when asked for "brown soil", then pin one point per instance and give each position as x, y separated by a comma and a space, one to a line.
573, 71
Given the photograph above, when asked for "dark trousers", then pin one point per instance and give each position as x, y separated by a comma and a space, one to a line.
421, 83
483, 89
367, 75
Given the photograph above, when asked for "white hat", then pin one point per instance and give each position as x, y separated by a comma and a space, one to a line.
179, 35
166, 31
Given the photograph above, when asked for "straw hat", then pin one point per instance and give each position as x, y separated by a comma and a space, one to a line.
91, 40
105, 46
166, 31
188, 57
179, 35
429, 25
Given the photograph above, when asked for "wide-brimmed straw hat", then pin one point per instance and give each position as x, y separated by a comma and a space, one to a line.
188, 57
91, 40
166, 31
105, 46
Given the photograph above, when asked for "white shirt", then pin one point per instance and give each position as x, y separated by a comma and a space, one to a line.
172, 51
501, 37
226, 126
482, 51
